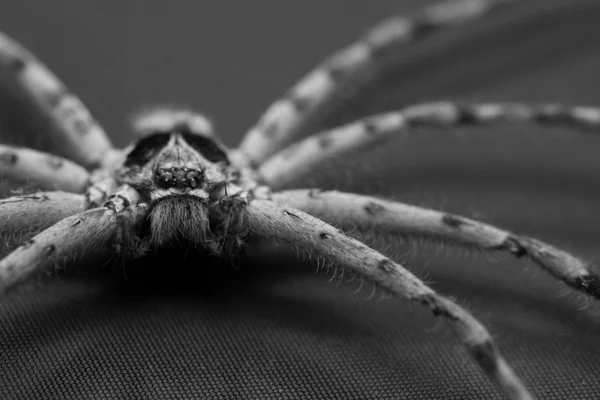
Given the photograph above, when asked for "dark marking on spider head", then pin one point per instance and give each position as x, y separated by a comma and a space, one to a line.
180, 159
9, 158
374, 209
324, 235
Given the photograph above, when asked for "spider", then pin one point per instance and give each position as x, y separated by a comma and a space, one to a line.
178, 182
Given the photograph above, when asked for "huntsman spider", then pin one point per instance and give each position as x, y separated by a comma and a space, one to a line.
177, 183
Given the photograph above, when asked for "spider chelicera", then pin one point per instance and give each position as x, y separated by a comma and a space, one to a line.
178, 182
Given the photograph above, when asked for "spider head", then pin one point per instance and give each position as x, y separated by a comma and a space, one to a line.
176, 157
178, 167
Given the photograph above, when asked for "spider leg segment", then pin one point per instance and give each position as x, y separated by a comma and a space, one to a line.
47, 170
346, 71
72, 236
37, 211
122, 199
309, 154
269, 220
369, 213
231, 222
99, 190
76, 131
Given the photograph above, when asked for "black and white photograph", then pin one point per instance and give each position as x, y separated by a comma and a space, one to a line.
270, 199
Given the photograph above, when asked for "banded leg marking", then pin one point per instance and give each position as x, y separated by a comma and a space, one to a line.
309, 154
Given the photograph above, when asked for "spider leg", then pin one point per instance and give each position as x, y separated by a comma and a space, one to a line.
86, 231
309, 154
346, 71
368, 213
100, 187
74, 129
37, 211
47, 170
269, 220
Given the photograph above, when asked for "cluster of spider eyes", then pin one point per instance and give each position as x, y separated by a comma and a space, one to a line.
174, 176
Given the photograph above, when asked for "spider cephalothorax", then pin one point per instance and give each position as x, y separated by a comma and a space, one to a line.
179, 184
182, 174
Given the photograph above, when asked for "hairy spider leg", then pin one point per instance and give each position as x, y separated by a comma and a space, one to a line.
48, 171
74, 129
37, 211
100, 188
84, 232
348, 70
287, 166
367, 213
294, 227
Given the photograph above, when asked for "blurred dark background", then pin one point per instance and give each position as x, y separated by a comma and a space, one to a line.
275, 330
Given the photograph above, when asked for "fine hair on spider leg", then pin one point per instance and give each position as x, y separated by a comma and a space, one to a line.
344, 74
24, 214
294, 227
48, 171
367, 212
308, 155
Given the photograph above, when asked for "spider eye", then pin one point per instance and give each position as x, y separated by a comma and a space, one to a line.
146, 148
208, 147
